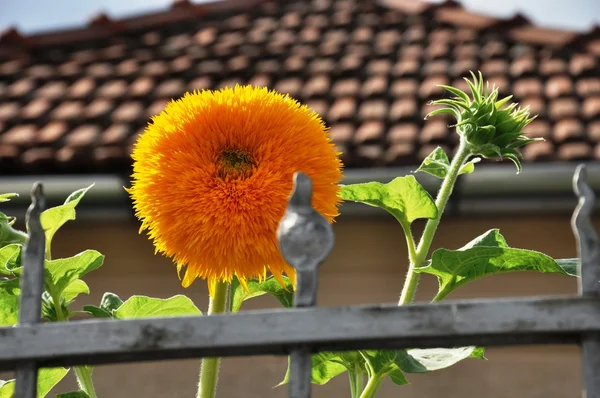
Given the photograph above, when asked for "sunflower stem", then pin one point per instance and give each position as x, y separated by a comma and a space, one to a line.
209, 370
418, 259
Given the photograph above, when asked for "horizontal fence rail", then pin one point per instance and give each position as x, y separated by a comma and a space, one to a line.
305, 240
498, 322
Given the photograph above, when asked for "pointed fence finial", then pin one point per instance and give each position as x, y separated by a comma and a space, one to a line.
305, 240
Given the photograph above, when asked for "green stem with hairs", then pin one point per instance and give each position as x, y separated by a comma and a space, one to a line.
209, 370
82, 373
412, 277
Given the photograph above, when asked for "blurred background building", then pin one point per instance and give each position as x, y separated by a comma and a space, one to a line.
72, 101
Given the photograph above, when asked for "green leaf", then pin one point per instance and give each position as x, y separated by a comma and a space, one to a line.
325, 366
5, 197
148, 307
97, 311
403, 197
55, 217
384, 363
485, 255
9, 302
74, 289
60, 273
7, 388
256, 288
10, 257
437, 164
569, 265
73, 394
469, 167
48, 378
416, 360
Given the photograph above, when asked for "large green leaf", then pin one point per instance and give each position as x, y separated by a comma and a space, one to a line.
325, 366
437, 164
403, 197
148, 307
416, 360
255, 288
55, 217
7, 388
384, 363
9, 302
47, 379
485, 255
10, 258
61, 272
74, 289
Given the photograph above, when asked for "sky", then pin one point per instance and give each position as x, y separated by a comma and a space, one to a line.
31, 16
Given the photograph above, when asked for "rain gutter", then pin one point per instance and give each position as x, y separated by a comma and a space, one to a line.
493, 189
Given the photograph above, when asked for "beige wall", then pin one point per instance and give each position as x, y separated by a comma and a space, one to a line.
366, 266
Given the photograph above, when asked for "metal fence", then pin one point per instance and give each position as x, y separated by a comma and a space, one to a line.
305, 240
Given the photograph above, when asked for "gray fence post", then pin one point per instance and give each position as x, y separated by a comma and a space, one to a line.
305, 240
589, 281
32, 286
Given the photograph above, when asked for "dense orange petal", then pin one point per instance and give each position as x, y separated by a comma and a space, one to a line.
208, 215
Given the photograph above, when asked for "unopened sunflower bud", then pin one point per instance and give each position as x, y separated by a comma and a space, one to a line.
490, 128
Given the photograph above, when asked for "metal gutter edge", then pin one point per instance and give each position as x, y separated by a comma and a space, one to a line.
491, 190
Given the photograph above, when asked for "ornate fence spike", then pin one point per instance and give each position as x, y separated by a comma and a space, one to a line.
32, 284
588, 246
305, 240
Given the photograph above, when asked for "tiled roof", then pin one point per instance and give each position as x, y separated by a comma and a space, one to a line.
73, 101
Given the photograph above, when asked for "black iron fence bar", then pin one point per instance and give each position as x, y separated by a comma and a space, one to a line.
588, 246
32, 286
461, 323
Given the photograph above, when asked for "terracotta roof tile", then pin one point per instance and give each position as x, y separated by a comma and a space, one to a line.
591, 107
155, 108
128, 112
84, 135
593, 130
373, 110
342, 109
21, 135
402, 133
558, 86
575, 151
434, 131
539, 151
369, 68
404, 108
568, 130
68, 110
35, 109
317, 86
527, 87
588, 86
563, 107
369, 133
52, 132
81, 88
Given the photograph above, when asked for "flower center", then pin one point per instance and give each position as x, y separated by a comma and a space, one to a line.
234, 163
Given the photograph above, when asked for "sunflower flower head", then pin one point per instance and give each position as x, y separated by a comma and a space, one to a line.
490, 128
212, 174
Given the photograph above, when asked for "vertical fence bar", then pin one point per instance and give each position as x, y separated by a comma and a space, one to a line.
32, 284
305, 240
589, 282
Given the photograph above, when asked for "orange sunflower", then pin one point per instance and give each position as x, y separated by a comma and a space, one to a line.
212, 174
